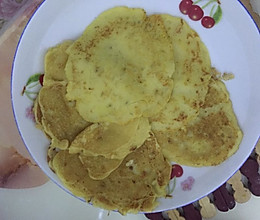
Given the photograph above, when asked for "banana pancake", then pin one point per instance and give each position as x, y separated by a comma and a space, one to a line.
121, 67
60, 119
210, 138
37, 114
55, 61
99, 167
111, 140
134, 186
217, 93
191, 76
51, 152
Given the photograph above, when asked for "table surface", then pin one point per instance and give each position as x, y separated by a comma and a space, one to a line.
50, 202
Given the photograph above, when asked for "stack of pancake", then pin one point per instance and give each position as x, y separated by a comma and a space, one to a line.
133, 94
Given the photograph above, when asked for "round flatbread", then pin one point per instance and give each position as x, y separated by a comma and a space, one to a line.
191, 76
60, 119
111, 140
210, 138
121, 67
54, 63
134, 186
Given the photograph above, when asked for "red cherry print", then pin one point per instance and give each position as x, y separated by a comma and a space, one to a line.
185, 5
177, 171
195, 13
41, 79
207, 22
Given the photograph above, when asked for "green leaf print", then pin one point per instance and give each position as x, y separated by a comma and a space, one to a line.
217, 15
33, 78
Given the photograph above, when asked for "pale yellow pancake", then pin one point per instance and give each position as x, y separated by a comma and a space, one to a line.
111, 140
121, 67
37, 114
99, 167
134, 186
210, 138
54, 63
191, 76
60, 120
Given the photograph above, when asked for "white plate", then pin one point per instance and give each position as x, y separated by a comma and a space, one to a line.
233, 44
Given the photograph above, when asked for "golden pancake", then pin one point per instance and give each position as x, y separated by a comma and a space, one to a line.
121, 67
60, 120
99, 167
111, 140
217, 93
210, 138
37, 114
132, 187
191, 76
55, 61
51, 152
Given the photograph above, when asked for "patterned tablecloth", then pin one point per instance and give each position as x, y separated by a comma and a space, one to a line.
25, 192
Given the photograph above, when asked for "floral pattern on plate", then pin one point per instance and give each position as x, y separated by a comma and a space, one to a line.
209, 12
